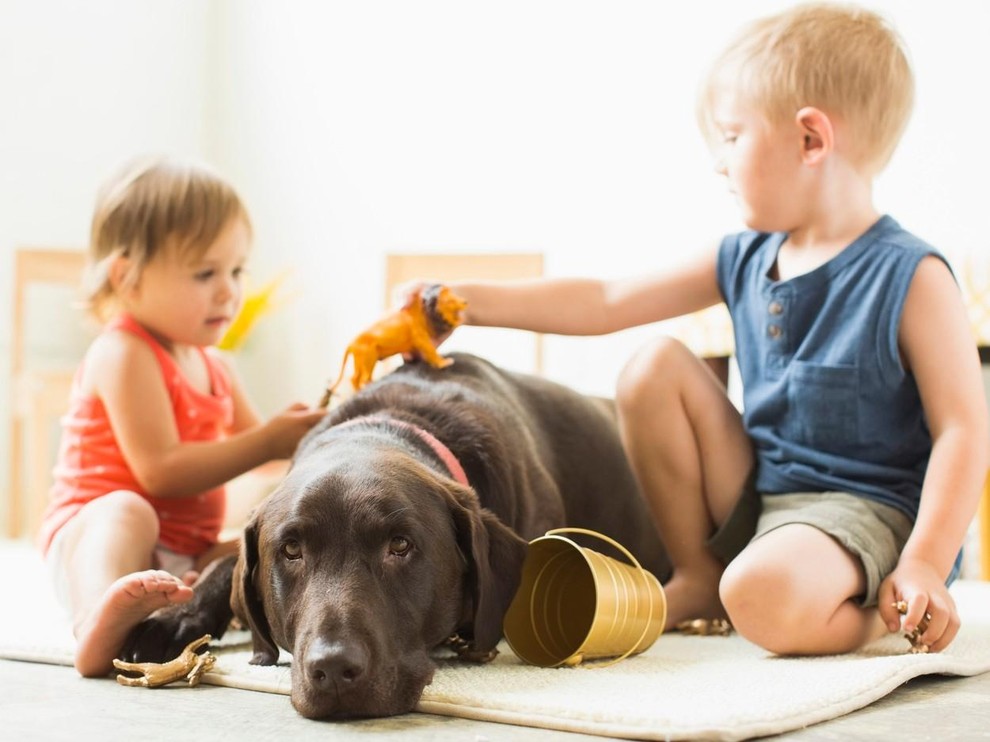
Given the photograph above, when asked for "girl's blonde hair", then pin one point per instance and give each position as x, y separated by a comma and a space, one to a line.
847, 61
150, 206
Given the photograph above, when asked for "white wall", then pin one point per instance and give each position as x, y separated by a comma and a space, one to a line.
561, 126
354, 129
83, 87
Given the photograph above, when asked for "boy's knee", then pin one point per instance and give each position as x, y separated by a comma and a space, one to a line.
739, 591
763, 606
651, 368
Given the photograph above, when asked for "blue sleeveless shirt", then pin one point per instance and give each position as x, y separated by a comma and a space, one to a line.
827, 402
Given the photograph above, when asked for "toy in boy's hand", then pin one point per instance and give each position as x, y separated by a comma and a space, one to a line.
917, 646
428, 313
188, 665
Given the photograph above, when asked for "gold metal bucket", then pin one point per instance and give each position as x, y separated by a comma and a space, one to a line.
574, 604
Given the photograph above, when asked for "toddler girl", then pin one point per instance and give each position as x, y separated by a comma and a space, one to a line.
157, 422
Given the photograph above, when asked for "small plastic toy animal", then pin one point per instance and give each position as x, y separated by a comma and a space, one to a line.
917, 646
188, 665
429, 313
705, 627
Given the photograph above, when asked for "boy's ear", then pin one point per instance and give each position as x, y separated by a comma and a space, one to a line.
818, 134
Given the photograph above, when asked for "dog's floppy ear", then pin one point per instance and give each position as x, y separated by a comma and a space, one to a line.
495, 556
246, 603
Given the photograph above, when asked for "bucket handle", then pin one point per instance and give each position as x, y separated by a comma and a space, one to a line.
636, 564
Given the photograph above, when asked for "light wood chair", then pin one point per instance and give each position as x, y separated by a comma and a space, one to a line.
403, 267
38, 395
984, 519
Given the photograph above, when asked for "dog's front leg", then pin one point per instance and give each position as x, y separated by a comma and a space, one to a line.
163, 635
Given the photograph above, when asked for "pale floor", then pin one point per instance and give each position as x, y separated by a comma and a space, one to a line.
46, 702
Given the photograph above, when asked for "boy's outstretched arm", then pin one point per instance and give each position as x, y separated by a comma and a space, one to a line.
938, 348
588, 306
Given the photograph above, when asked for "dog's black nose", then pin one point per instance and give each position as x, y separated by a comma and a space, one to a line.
332, 663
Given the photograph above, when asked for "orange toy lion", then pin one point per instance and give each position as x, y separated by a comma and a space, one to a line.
429, 313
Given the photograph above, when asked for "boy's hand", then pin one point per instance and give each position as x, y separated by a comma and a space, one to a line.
919, 585
286, 429
405, 292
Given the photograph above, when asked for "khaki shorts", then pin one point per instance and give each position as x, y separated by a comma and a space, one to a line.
872, 532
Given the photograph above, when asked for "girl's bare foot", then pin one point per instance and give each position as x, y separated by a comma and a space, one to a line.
689, 599
102, 632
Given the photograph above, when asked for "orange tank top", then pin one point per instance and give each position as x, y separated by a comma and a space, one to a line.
90, 463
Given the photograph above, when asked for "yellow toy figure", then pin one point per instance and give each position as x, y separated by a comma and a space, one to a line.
428, 314
256, 304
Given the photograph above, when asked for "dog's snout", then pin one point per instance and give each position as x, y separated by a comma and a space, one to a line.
333, 664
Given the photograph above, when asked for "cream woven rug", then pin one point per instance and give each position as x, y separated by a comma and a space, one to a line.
682, 688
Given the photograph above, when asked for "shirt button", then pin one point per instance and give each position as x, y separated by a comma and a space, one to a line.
776, 307
774, 331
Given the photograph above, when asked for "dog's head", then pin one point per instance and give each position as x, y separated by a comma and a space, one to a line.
362, 562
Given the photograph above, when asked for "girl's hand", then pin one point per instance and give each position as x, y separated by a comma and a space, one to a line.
918, 584
286, 429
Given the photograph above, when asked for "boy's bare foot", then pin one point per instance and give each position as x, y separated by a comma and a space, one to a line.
688, 599
101, 634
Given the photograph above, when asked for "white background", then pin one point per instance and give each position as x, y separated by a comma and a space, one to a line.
355, 129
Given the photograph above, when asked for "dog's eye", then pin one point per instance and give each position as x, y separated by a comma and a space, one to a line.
399, 546
292, 550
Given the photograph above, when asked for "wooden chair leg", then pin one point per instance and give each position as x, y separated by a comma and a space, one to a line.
984, 517
15, 487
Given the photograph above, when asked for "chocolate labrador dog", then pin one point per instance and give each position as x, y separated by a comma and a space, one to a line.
403, 522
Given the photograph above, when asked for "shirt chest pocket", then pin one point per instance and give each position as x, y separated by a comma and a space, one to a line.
823, 406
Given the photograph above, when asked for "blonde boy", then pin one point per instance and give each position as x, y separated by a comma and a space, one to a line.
862, 447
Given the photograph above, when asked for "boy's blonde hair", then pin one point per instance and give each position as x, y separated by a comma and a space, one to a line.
150, 206
847, 61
